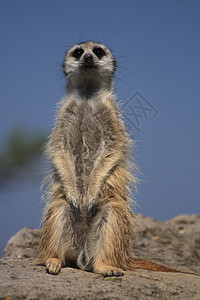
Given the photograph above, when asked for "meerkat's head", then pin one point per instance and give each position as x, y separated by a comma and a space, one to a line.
89, 67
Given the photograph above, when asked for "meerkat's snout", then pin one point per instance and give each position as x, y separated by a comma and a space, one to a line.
88, 60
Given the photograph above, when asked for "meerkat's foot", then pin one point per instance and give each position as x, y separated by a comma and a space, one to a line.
53, 266
107, 271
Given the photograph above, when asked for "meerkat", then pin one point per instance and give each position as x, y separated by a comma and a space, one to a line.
88, 221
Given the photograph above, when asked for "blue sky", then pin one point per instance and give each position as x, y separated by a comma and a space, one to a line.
157, 47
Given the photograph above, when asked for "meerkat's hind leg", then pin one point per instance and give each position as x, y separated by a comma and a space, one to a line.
53, 266
109, 240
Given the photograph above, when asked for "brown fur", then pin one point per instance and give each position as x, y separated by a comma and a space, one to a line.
88, 221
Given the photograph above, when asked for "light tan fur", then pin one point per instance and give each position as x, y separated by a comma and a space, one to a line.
88, 221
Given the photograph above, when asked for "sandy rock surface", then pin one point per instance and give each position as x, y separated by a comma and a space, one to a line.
174, 243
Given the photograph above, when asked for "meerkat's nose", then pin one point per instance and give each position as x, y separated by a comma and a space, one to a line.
88, 59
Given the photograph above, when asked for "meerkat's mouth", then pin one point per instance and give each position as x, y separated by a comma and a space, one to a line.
89, 67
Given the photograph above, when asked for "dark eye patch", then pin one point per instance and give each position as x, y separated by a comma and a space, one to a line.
99, 52
77, 53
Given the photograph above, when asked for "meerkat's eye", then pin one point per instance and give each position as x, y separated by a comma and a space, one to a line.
77, 53
99, 52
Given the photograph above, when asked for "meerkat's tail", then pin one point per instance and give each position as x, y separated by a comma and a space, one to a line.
137, 263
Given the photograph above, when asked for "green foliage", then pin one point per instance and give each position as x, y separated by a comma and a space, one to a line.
20, 151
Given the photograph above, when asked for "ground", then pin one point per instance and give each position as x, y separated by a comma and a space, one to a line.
175, 243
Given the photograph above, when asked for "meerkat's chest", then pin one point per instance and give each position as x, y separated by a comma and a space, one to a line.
87, 129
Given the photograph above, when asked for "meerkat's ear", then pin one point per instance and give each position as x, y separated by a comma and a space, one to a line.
64, 67
114, 64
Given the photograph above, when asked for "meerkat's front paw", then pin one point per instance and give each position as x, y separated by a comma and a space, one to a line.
75, 207
53, 266
91, 208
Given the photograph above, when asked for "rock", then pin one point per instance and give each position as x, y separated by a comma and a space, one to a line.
175, 243
23, 244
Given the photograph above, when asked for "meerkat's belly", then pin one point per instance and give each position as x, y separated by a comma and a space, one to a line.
86, 139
